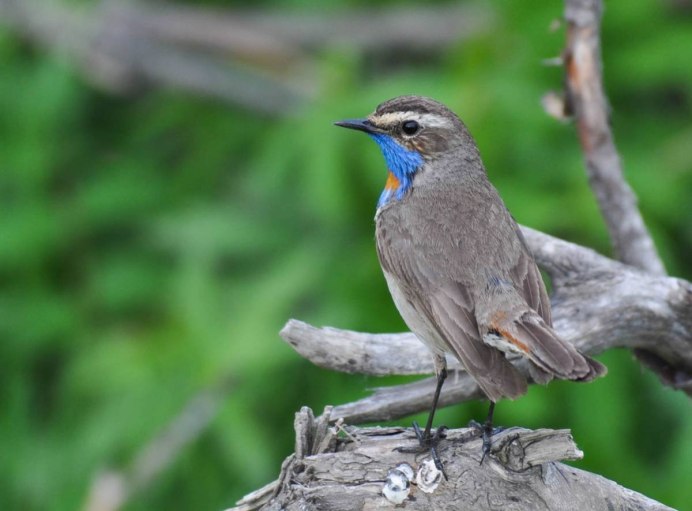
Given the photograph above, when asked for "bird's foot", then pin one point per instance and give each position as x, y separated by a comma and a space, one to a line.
486, 431
428, 441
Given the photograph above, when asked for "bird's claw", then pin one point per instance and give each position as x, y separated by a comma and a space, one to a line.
486, 431
430, 442
487, 434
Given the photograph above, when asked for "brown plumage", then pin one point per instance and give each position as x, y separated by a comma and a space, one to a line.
455, 261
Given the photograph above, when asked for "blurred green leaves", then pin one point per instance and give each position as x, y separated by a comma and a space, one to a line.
154, 246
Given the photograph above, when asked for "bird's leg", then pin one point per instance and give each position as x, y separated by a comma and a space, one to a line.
432, 444
487, 429
426, 438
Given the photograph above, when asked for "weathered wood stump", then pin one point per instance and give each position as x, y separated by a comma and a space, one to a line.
337, 467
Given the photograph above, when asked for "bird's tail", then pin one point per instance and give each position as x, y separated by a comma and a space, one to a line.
529, 336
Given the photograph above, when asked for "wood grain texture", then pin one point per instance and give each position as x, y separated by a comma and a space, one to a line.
345, 468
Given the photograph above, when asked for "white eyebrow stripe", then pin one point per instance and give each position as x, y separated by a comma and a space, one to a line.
425, 119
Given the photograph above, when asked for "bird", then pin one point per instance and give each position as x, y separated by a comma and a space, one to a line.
456, 263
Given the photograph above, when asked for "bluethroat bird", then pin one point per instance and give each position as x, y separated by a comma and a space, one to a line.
456, 263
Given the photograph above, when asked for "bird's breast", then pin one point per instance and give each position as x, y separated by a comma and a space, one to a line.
392, 182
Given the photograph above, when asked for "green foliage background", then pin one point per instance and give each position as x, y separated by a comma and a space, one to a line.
151, 247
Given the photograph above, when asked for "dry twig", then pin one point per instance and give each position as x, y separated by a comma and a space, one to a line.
111, 489
587, 100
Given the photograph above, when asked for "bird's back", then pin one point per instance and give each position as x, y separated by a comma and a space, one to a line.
465, 282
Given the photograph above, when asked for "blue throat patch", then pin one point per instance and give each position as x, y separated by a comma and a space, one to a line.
401, 162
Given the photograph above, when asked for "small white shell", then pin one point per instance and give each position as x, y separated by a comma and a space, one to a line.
428, 477
406, 469
397, 486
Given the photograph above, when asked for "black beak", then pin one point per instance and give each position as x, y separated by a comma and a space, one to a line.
357, 124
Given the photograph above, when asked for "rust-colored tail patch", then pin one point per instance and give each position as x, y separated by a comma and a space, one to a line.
510, 338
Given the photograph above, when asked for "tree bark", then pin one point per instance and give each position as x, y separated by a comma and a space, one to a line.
587, 101
598, 304
343, 468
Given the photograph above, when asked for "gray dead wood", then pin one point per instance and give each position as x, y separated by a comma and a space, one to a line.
587, 101
346, 468
598, 304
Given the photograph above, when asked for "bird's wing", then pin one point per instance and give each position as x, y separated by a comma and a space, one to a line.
446, 309
528, 328
453, 318
529, 282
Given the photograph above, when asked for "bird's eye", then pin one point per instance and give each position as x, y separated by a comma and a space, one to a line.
410, 127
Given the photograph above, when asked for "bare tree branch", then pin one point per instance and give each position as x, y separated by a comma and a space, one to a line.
345, 468
397, 401
587, 100
261, 60
598, 304
111, 489
112, 50
356, 352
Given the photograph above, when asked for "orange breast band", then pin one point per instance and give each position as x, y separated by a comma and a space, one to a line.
392, 182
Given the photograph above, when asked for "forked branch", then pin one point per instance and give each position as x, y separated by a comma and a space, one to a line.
587, 100
598, 304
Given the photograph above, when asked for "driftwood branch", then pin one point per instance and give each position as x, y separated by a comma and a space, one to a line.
587, 101
598, 304
522, 472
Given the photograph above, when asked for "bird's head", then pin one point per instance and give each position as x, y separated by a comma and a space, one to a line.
411, 131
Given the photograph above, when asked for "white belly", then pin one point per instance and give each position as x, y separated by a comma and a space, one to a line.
417, 322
